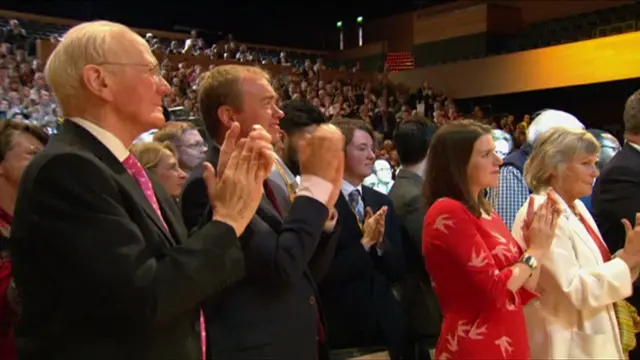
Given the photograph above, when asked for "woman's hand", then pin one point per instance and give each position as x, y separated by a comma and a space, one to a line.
631, 252
540, 225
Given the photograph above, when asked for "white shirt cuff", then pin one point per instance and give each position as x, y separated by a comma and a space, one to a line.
314, 187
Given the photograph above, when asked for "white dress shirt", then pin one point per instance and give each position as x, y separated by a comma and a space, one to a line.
347, 188
106, 138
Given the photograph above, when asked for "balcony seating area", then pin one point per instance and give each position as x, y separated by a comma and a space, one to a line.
399, 61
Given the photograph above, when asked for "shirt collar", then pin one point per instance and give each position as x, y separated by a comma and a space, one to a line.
635, 146
106, 138
348, 188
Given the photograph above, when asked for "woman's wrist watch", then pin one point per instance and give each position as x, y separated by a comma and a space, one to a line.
530, 261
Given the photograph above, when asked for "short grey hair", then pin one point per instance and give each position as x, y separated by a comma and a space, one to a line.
632, 114
89, 43
552, 150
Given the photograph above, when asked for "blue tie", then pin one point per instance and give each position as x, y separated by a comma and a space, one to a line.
356, 205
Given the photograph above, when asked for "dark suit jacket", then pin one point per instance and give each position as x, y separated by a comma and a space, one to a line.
616, 197
99, 274
192, 202
273, 312
415, 292
357, 290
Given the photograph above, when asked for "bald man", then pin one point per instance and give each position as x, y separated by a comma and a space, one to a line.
102, 260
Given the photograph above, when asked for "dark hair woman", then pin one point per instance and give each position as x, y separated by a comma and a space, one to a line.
482, 277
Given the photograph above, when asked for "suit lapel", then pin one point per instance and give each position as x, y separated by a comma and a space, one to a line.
268, 213
127, 181
280, 190
573, 226
131, 185
344, 208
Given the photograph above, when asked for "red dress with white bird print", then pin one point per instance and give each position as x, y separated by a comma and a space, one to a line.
468, 259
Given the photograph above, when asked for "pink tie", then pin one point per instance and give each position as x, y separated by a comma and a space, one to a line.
137, 171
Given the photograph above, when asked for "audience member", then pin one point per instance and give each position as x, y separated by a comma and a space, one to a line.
361, 308
161, 159
416, 294
274, 306
122, 279
19, 143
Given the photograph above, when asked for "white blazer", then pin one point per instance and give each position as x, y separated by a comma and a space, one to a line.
574, 316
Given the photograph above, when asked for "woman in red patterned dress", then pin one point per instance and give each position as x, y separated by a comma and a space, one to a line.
19, 143
482, 277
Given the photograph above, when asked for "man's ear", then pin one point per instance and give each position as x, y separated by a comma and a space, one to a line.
283, 137
226, 116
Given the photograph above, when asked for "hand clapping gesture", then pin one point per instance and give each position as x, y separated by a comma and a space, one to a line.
373, 229
235, 192
540, 225
631, 252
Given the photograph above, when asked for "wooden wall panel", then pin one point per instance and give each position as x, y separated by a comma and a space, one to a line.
364, 51
534, 11
453, 24
586, 62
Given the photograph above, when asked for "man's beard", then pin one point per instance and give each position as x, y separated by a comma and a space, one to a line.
290, 159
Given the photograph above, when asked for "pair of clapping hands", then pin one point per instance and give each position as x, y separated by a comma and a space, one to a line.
236, 189
539, 227
373, 229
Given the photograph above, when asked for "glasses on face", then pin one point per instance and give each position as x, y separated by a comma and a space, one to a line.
195, 145
152, 69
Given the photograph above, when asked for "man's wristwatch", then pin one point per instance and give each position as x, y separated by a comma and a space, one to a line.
530, 261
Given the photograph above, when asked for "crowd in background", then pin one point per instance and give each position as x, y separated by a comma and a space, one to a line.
372, 116
24, 93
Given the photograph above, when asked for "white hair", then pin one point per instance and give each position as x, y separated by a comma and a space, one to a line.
549, 119
85, 44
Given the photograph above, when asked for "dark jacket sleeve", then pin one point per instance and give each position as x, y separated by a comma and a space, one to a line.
99, 253
282, 257
193, 201
322, 257
392, 261
617, 198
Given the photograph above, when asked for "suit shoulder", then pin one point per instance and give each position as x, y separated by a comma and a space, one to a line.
403, 189
66, 163
377, 196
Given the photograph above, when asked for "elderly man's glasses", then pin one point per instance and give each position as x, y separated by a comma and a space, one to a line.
153, 70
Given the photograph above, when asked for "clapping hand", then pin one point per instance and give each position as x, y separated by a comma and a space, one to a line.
631, 252
322, 154
374, 226
540, 225
235, 192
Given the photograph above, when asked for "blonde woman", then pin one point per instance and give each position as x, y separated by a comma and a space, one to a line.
160, 158
580, 280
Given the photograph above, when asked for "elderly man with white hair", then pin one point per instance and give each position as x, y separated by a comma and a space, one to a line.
513, 190
102, 259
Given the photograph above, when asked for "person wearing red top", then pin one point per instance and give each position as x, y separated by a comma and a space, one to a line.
19, 143
482, 277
